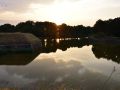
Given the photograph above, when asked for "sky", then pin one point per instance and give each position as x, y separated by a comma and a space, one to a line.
71, 12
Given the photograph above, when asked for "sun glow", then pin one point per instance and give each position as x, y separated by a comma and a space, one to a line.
57, 12
71, 12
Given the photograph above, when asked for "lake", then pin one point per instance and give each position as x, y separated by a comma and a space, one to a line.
71, 64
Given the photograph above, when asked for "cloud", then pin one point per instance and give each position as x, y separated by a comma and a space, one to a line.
17, 80
20, 5
73, 0
14, 22
72, 12
59, 79
82, 71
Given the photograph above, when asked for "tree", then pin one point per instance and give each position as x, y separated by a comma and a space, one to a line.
109, 27
7, 28
26, 27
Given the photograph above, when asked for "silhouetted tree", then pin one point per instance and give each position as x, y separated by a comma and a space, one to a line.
64, 31
26, 27
40, 29
79, 31
7, 28
50, 30
109, 27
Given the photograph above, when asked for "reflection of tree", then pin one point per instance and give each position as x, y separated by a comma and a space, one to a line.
48, 45
107, 51
17, 58
51, 45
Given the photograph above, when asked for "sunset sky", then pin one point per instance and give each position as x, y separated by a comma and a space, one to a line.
72, 12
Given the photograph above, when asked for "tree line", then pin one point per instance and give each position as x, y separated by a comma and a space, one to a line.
109, 27
47, 29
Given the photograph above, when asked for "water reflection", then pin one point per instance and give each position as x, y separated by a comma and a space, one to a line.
17, 58
65, 65
101, 50
107, 51
51, 45
48, 45
47, 74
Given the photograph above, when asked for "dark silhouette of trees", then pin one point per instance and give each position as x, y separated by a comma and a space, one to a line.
64, 31
50, 30
79, 31
40, 29
109, 27
26, 27
7, 28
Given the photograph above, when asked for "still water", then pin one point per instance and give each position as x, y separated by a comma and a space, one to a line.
63, 65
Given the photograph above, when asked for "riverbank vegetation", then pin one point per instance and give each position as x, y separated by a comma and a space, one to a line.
102, 28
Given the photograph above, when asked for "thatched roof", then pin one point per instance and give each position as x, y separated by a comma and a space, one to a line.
12, 41
15, 38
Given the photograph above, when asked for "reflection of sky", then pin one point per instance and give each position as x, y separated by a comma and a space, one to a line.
85, 56
75, 68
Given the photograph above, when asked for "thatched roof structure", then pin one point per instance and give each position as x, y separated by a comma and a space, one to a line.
15, 42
